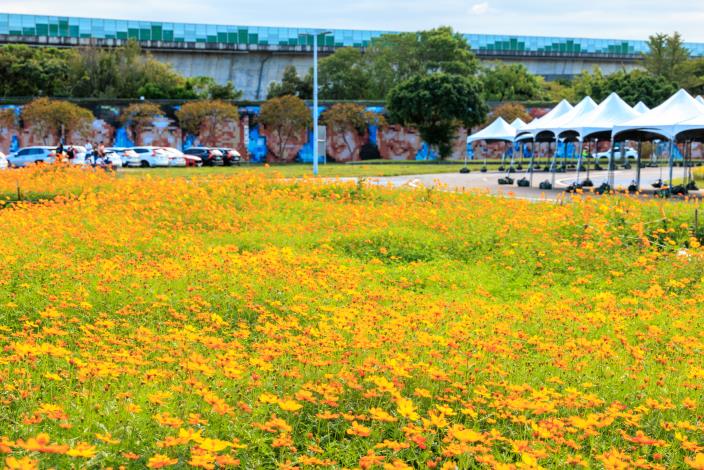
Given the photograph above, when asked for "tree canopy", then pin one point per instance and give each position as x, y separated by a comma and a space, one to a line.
48, 118
93, 72
197, 115
285, 116
504, 82
437, 105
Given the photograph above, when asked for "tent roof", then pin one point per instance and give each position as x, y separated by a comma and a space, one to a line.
663, 119
497, 130
536, 125
612, 111
641, 108
518, 123
584, 107
700, 99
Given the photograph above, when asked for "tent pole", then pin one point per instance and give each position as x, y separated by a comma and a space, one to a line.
609, 172
532, 160
579, 161
640, 148
671, 161
685, 165
553, 165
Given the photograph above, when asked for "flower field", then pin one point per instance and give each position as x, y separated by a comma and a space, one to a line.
245, 322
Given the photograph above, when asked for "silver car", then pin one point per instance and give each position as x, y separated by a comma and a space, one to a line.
30, 155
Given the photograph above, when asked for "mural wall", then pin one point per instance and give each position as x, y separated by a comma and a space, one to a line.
254, 142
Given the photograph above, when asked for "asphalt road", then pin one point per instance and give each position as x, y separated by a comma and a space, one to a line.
489, 181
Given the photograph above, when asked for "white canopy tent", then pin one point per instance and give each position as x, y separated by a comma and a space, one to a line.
700, 99
641, 108
518, 123
662, 120
612, 111
497, 130
561, 123
532, 129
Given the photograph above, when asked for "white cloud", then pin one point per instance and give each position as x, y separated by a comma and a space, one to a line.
480, 8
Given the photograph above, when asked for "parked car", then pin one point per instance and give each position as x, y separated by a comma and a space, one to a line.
209, 156
230, 156
3, 162
114, 159
149, 157
30, 155
630, 154
176, 157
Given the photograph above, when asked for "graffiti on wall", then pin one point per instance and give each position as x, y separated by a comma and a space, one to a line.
252, 141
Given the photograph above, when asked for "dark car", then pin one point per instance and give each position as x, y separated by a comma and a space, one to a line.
209, 156
230, 156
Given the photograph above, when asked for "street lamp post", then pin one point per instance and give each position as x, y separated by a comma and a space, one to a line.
315, 35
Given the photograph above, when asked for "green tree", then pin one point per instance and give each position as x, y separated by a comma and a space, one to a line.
692, 76
504, 82
594, 84
639, 85
285, 116
34, 71
437, 105
666, 53
206, 115
138, 115
344, 75
292, 85
393, 58
49, 118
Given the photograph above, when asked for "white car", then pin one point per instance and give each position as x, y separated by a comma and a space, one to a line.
149, 157
3, 161
114, 159
176, 157
631, 154
30, 155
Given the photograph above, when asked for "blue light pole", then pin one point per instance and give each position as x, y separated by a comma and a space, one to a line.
315, 35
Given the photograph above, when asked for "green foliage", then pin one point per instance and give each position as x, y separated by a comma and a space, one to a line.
344, 75
666, 55
292, 85
349, 74
198, 115
285, 116
692, 76
92, 72
633, 86
503, 82
437, 105
48, 117
34, 71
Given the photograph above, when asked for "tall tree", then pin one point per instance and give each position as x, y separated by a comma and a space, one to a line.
49, 118
197, 116
437, 105
344, 75
138, 115
284, 117
291, 84
34, 71
503, 82
666, 53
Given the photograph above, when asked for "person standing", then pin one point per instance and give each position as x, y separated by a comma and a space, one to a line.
89, 154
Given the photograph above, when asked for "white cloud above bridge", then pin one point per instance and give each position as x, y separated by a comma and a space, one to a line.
627, 19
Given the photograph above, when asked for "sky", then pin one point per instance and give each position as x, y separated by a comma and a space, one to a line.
619, 19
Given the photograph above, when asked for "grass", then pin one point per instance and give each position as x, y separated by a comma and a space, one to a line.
296, 170
243, 321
